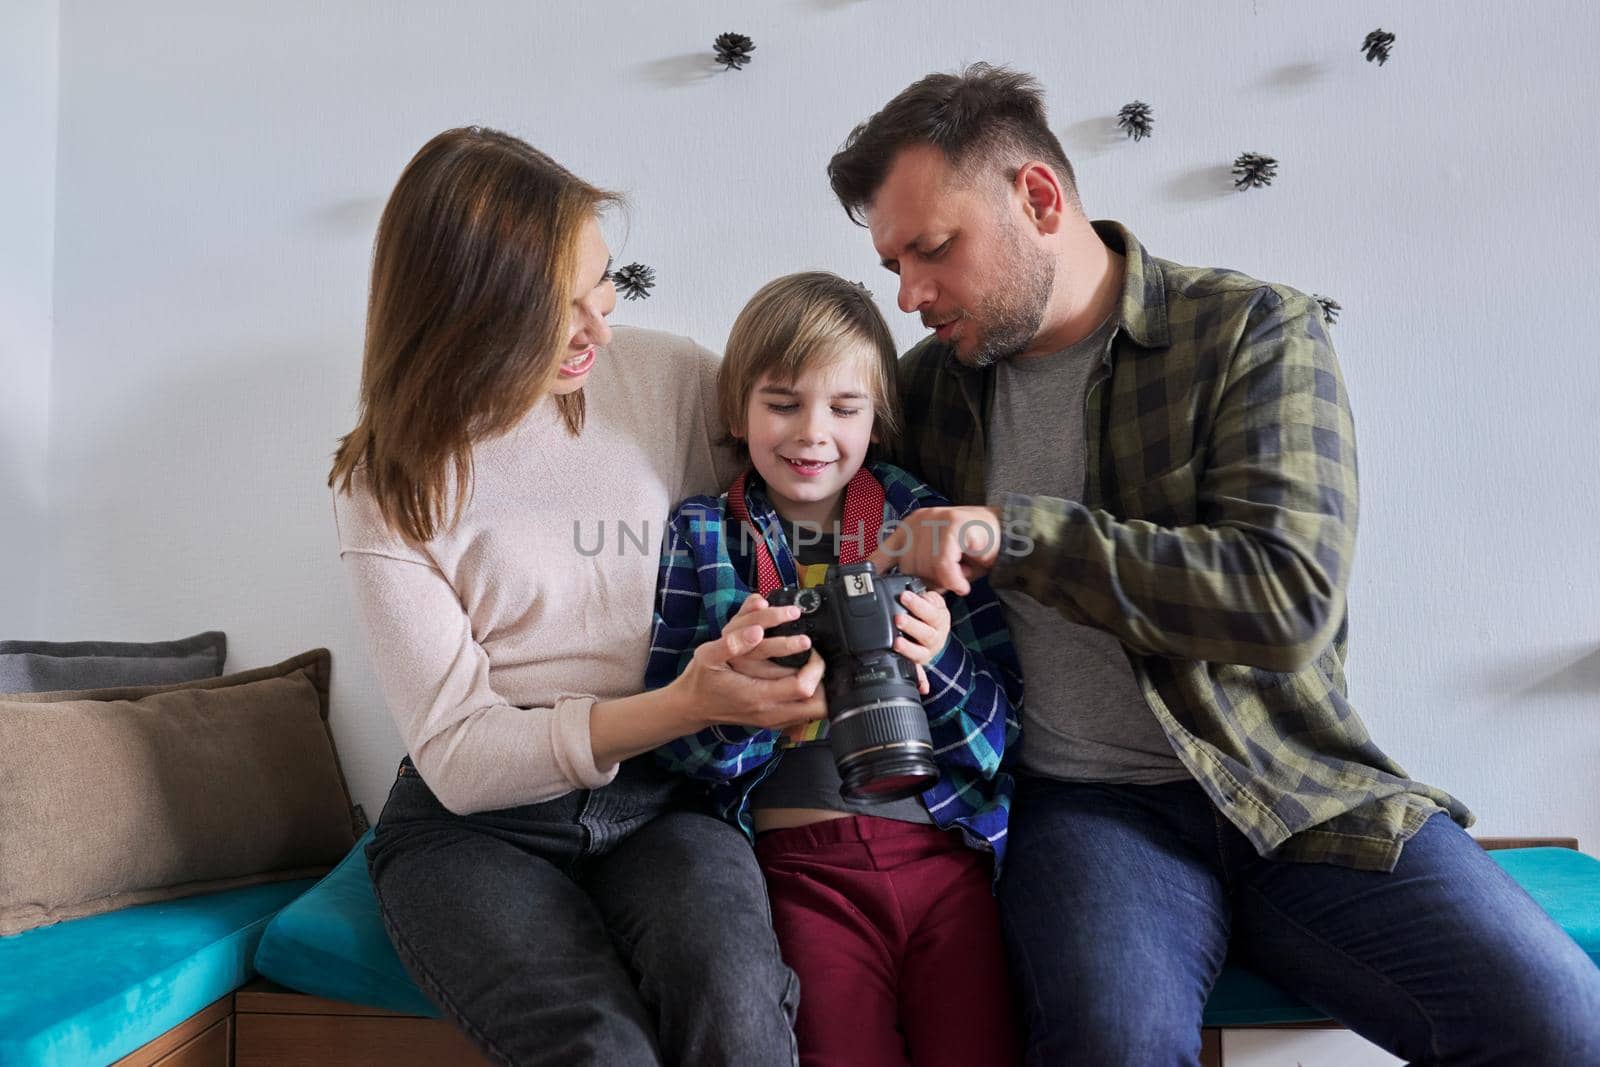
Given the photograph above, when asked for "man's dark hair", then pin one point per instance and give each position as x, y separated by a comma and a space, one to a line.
984, 117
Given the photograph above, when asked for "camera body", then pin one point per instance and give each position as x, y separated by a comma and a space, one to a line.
876, 723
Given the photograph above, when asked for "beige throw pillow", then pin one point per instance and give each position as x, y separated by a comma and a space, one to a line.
113, 797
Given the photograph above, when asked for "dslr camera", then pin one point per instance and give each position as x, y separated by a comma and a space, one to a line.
876, 723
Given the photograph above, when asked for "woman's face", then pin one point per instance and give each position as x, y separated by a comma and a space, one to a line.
593, 298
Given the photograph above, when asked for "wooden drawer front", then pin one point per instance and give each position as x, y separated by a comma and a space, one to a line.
308, 1040
209, 1049
202, 1040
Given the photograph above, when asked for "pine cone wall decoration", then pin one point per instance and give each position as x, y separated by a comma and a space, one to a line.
1137, 120
1330, 307
1251, 170
634, 281
1376, 45
733, 50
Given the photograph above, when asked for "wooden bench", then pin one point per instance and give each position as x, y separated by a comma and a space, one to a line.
266, 1025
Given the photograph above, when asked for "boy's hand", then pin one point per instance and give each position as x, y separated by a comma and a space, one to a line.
923, 633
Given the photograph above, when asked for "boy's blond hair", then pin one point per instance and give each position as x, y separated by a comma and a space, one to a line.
797, 322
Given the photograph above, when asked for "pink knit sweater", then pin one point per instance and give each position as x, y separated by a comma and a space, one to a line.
493, 640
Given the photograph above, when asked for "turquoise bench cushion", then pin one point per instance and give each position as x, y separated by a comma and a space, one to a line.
1563, 882
1243, 998
92, 990
331, 943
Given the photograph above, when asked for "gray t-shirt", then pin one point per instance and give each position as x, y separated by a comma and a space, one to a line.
1085, 718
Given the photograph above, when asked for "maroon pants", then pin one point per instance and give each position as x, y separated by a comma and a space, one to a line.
893, 931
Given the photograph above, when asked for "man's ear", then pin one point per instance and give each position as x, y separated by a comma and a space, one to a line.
1043, 198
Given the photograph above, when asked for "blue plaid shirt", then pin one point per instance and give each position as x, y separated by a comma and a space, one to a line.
975, 683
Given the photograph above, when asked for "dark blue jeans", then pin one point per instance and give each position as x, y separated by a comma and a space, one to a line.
608, 926
1120, 904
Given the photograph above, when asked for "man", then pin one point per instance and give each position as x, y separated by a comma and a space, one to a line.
1158, 469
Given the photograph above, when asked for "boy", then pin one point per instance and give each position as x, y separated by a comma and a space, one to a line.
885, 910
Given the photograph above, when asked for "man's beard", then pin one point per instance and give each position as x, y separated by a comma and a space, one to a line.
1008, 318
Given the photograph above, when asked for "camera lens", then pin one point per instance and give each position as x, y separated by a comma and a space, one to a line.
893, 767
881, 745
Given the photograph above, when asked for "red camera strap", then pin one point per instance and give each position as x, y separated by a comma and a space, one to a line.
858, 529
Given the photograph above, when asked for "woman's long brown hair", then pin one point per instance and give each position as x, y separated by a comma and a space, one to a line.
467, 319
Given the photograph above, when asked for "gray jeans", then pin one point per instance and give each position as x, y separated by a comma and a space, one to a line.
609, 926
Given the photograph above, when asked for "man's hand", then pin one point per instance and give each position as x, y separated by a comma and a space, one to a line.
945, 547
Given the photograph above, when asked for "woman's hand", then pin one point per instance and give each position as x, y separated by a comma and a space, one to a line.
756, 617
733, 680
729, 680
923, 632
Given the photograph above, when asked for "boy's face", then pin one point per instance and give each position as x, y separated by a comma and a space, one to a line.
810, 436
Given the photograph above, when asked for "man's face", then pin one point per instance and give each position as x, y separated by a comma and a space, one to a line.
964, 254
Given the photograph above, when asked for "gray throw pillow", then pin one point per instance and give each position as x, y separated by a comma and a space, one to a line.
52, 666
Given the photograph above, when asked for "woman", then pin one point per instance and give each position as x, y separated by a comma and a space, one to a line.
499, 506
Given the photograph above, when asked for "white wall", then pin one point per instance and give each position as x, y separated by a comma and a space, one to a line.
221, 175
28, 85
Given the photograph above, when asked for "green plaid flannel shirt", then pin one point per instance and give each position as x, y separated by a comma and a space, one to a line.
1214, 540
